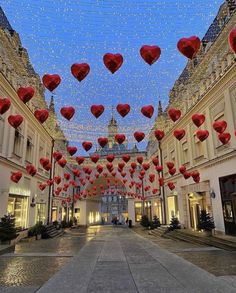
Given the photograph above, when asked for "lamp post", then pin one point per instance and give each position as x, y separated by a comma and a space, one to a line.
143, 199
51, 187
162, 188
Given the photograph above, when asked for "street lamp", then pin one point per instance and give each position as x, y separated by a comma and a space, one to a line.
162, 187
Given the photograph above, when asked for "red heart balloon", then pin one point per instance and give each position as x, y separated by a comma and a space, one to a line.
150, 54
79, 160
42, 186
48, 167
31, 170
159, 134
155, 161
224, 137
232, 40
110, 158
159, 169
113, 61
174, 114
44, 161
179, 133
198, 119
123, 174
140, 159
146, 166
76, 172
147, 111
186, 175
100, 169
151, 177
5, 105
95, 158
113, 173
71, 150
126, 158
102, 141
171, 185
220, 126
67, 176
67, 112
139, 136
172, 171
121, 165
202, 134
97, 110
15, 120
133, 165
124, 181
41, 115
161, 181
87, 145
57, 179
62, 162
50, 182
154, 191
195, 173
57, 155
189, 47
170, 165
123, 109
16, 176
51, 81
25, 93
196, 179
182, 169
80, 71
120, 138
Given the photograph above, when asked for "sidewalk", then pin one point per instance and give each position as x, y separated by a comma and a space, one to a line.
119, 260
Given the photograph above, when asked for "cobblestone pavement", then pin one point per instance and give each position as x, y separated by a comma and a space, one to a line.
115, 257
119, 260
33, 263
215, 261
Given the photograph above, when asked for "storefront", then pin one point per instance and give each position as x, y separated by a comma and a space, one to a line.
41, 212
195, 197
228, 197
157, 208
141, 208
172, 206
18, 202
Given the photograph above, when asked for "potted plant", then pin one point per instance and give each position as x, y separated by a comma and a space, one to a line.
7, 229
206, 222
156, 222
145, 221
174, 224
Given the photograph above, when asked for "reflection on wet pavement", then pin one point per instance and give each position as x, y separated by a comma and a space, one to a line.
33, 263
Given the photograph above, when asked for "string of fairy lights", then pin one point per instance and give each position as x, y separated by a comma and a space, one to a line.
60, 33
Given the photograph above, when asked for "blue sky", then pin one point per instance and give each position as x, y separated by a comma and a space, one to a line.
62, 32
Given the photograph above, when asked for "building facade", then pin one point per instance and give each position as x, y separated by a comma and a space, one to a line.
207, 86
29, 142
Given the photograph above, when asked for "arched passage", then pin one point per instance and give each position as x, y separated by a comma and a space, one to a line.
105, 201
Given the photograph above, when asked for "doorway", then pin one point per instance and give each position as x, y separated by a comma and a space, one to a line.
197, 202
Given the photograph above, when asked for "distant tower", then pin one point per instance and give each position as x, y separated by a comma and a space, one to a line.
112, 131
160, 110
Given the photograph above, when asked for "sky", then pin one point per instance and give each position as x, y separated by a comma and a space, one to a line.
58, 33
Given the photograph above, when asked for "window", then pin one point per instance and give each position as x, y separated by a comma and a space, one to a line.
185, 153
198, 148
40, 213
217, 142
138, 211
29, 149
17, 207
18, 140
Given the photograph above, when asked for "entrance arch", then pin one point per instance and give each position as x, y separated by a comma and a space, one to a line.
106, 200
